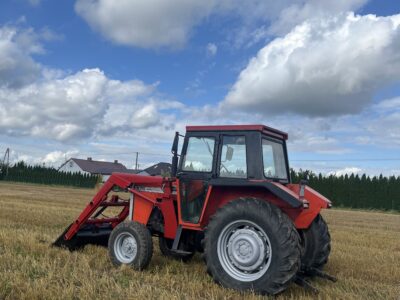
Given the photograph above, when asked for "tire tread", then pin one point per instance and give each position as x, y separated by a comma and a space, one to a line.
144, 240
289, 245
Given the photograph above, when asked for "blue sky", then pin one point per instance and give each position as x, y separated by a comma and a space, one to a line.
108, 78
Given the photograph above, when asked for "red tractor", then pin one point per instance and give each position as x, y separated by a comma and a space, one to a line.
230, 197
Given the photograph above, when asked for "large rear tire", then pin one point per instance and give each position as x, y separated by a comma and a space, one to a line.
130, 244
251, 245
316, 244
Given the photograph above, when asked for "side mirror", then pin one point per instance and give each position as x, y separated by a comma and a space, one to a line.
174, 148
174, 151
229, 153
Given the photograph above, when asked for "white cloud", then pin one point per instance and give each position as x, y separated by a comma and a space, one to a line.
51, 159
154, 23
316, 142
299, 11
381, 124
263, 19
211, 49
388, 105
17, 46
53, 104
34, 2
56, 158
159, 23
347, 170
59, 109
76, 106
17, 68
89, 106
322, 67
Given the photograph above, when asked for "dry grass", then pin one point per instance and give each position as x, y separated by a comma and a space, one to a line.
365, 257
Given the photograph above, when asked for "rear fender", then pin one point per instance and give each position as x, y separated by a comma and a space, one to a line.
221, 195
316, 203
278, 190
301, 217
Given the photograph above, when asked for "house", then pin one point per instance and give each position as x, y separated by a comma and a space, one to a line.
160, 169
94, 167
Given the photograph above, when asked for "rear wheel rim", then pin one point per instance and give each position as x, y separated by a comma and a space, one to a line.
125, 247
244, 250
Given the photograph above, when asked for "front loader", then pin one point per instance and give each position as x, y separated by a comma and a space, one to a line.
230, 197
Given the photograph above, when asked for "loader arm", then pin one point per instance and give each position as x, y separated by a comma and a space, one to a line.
91, 228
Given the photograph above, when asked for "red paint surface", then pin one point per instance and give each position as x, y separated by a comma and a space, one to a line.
262, 128
316, 203
144, 203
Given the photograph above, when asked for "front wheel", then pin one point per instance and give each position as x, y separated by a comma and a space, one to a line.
251, 245
130, 244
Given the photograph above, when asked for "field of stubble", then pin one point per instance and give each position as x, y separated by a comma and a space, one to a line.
365, 257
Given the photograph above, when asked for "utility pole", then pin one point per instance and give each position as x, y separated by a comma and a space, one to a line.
6, 161
136, 164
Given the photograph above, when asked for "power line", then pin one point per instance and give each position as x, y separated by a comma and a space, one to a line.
124, 153
355, 159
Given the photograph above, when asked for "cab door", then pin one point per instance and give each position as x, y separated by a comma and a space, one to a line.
197, 167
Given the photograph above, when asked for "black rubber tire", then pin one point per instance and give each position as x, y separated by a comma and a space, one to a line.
283, 236
144, 244
165, 248
316, 246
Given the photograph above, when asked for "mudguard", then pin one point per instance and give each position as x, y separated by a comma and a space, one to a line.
277, 189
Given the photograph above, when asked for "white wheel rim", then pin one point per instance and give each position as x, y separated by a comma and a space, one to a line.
244, 250
125, 247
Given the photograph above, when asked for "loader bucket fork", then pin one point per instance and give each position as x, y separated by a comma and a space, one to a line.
92, 227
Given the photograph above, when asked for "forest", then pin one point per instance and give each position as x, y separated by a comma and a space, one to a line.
355, 191
352, 191
22, 172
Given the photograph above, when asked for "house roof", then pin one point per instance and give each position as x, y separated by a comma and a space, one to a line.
159, 169
132, 171
98, 167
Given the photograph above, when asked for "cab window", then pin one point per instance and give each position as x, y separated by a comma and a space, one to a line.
199, 154
233, 157
274, 159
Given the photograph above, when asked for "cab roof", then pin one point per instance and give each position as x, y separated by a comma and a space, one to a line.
262, 128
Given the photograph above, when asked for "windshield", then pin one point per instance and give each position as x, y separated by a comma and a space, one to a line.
199, 155
274, 159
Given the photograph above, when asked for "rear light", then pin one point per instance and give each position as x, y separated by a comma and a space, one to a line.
301, 191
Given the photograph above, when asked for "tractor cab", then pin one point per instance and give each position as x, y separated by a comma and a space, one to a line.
236, 155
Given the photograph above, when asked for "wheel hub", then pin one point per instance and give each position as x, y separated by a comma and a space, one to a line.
125, 248
128, 246
246, 249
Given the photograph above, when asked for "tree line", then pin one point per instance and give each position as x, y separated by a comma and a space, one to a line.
355, 191
22, 172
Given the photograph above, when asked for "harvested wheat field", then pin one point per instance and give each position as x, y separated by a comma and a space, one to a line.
365, 256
